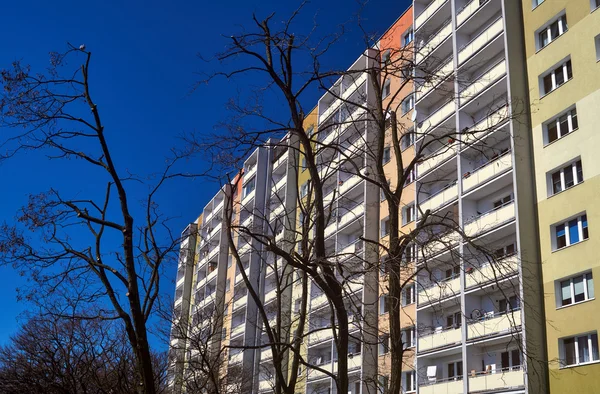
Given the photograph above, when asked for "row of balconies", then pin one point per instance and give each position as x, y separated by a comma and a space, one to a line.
354, 363
490, 325
478, 382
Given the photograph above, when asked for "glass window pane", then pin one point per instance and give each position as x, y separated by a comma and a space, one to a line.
584, 351
590, 285
569, 181
552, 131
573, 232
578, 289
569, 70
561, 238
566, 292
584, 225
564, 124
556, 183
569, 349
543, 37
594, 338
574, 122
548, 83
579, 170
554, 30
516, 358
560, 76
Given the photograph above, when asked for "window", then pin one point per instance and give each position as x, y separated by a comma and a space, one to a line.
384, 344
304, 189
510, 360
508, 304
561, 126
310, 131
228, 285
409, 382
407, 104
303, 165
387, 155
408, 214
552, 31
571, 232
504, 251
597, 42
249, 187
384, 304
385, 91
452, 273
408, 295
502, 202
579, 350
385, 58
595, 4
557, 77
410, 253
408, 337
566, 177
385, 227
454, 320
381, 193
455, 370
407, 140
536, 3
407, 37
576, 289
384, 382
410, 177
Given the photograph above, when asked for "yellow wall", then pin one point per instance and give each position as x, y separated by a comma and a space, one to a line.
583, 90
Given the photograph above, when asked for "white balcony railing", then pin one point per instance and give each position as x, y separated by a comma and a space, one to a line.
487, 171
242, 301
439, 338
344, 97
492, 271
481, 40
440, 198
439, 290
281, 159
489, 77
486, 125
237, 330
445, 242
442, 386
436, 158
510, 378
467, 10
437, 76
491, 219
346, 217
494, 324
436, 118
434, 42
428, 12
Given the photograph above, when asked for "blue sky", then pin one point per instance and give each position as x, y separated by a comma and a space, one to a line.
144, 65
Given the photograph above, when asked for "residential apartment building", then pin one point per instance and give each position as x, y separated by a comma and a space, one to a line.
562, 42
505, 164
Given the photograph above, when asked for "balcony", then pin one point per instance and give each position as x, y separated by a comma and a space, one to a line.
249, 171
281, 159
512, 378
428, 12
487, 171
354, 362
434, 41
270, 295
436, 118
349, 183
277, 212
445, 386
266, 353
351, 215
490, 220
236, 357
278, 184
352, 249
441, 198
439, 339
480, 40
216, 210
438, 75
320, 335
265, 385
494, 324
447, 241
486, 125
492, 271
240, 302
440, 290
237, 330
469, 9
496, 72
436, 158
344, 96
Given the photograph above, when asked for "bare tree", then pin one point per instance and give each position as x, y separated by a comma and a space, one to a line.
72, 356
99, 248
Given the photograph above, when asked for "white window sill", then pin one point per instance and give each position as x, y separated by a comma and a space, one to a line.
580, 364
568, 246
575, 303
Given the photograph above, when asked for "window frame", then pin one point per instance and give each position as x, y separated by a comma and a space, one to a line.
408, 214
384, 304
252, 181
386, 157
587, 278
589, 338
564, 228
409, 377
565, 67
562, 27
410, 34
574, 169
572, 125
410, 99
409, 294
386, 88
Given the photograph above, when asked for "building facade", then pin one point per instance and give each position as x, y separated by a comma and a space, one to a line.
504, 165
562, 42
